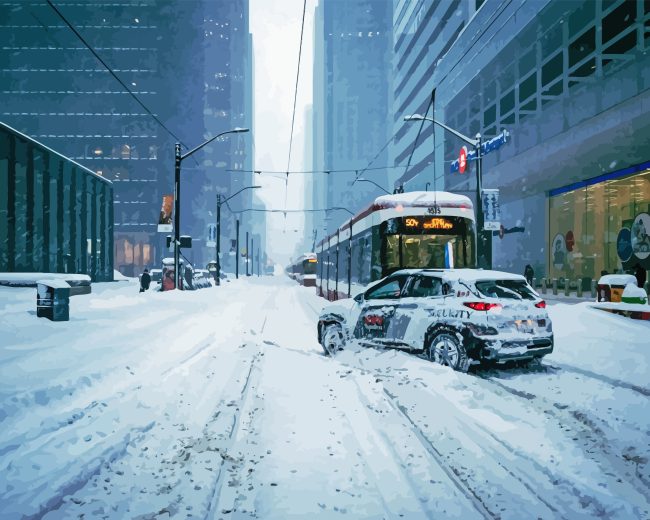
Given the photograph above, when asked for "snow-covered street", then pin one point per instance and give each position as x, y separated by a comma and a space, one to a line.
219, 403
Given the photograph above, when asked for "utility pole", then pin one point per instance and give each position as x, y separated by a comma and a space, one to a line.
177, 212
237, 252
247, 253
218, 239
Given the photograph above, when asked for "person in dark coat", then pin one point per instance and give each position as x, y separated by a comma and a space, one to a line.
529, 274
145, 280
640, 274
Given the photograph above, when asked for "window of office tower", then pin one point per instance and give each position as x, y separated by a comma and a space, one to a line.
591, 227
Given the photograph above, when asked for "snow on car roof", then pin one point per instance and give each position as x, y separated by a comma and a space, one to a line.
466, 274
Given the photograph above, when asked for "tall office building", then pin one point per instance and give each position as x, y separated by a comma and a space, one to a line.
189, 64
352, 92
423, 32
570, 82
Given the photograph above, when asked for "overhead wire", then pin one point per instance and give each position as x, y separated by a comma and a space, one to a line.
295, 99
344, 170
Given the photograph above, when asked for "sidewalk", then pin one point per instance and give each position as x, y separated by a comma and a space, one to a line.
561, 298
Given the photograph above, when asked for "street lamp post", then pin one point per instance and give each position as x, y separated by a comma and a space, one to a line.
237, 250
476, 143
219, 203
178, 159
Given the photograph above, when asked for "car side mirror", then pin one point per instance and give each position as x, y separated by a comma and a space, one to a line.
359, 298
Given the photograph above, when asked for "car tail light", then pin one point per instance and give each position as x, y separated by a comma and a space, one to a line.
541, 305
371, 319
482, 306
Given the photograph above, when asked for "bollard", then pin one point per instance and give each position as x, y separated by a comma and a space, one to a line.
554, 286
579, 289
567, 287
544, 283
593, 288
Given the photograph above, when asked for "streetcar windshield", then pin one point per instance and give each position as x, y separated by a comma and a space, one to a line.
417, 248
309, 266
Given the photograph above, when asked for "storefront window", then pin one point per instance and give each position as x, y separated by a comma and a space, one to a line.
596, 228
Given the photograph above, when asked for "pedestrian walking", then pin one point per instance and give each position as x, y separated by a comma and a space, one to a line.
529, 274
640, 274
145, 280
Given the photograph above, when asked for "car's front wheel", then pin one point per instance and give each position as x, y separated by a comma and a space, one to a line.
446, 348
332, 339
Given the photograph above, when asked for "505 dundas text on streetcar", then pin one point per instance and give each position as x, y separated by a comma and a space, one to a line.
419, 229
303, 270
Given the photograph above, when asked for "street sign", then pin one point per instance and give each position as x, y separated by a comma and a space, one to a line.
486, 147
462, 159
491, 210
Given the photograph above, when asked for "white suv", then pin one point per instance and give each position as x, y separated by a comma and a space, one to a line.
452, 316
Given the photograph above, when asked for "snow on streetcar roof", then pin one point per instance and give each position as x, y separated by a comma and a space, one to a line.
425, 198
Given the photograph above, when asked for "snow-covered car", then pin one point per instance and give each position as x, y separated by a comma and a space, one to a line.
455, 317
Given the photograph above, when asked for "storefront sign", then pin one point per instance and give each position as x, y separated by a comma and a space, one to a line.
624, 244
640, 238
559, 251
486, 147
569, 240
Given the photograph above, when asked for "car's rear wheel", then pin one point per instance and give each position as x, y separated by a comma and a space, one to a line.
446, 348
332, 339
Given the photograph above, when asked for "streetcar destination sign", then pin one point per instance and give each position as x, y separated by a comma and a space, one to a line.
486, 147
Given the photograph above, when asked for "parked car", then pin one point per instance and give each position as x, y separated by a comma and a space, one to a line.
455, 317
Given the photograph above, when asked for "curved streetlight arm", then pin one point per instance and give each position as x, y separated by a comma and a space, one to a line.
373, 182
339, 207
418, 117
234, 131
237, 193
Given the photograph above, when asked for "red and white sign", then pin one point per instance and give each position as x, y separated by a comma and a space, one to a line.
462, 160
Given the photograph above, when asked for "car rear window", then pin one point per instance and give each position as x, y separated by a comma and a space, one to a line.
508, 289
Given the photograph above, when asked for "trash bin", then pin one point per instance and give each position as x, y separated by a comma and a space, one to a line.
611, 286
53, 300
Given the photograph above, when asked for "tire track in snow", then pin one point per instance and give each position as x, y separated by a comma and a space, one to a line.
582, 425
600, 377
463, 489
215, 492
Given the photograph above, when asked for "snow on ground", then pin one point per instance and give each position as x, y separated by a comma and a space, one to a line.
220, 404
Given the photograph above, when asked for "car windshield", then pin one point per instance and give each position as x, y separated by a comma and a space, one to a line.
509, 289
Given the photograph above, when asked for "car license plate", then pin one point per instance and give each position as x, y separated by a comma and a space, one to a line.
525, 326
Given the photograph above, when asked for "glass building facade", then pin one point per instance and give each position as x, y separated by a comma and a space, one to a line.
55, 215
570, 81
188, 62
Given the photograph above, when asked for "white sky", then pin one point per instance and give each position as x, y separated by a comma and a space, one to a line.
275, 25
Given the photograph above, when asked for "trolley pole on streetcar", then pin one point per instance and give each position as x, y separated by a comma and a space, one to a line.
481, 245
178, 159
